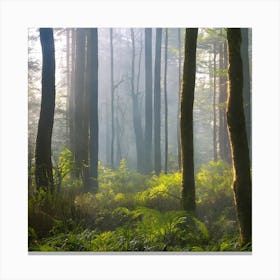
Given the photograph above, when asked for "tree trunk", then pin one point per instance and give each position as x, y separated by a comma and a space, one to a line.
112, 99
165, 103
221, 103
92, 82
214, 108
81, 110
136, 114
148, 100
246, 86
179, 86
227, 142
43, 163
72, 93
68, 86
157, 102
187, 99
239, 144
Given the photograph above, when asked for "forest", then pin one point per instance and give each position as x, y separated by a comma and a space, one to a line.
139, 139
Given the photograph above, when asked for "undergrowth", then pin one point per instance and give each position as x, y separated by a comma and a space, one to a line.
133, 212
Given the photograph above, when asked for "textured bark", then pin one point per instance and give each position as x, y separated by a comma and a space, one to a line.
92, 87
225, 153
186, 120
157, 102
43, 163
148, 100
239, 144
165, 104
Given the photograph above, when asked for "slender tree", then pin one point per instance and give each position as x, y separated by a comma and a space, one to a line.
92, 87
72, 92
148, 100
214, 106
81, 110
43, 163
68, 84
246, 85
186, 120
165, 103
224, 145
237, 130
157, 102
112, 99
136, 112
179, 86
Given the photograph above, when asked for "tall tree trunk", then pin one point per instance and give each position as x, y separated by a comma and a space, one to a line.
92, 82
80, 141
237, 131
214, 107
221, 103
246, 86
225, 153
112, 99
148, 100
157, 102
68, 86
179, 86
43, 163
135, 111
165, 103
72, 92
187, 99
227, 141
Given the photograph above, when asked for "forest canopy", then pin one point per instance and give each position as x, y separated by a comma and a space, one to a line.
139, 139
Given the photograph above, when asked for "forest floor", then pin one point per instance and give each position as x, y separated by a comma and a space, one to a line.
134, 212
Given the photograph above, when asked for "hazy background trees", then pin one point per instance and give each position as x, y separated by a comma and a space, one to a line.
209, 110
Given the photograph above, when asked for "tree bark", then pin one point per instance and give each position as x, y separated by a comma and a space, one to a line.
186, 120
239, 145
148, 100
92, 82
246, 86
157, 102
43, 163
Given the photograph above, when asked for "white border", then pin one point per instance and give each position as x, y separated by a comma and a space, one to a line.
17, 16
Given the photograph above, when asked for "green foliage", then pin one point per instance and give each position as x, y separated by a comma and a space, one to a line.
133, 212
122, 180
162, 193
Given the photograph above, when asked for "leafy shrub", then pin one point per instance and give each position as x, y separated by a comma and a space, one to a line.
122, 180
163, 192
